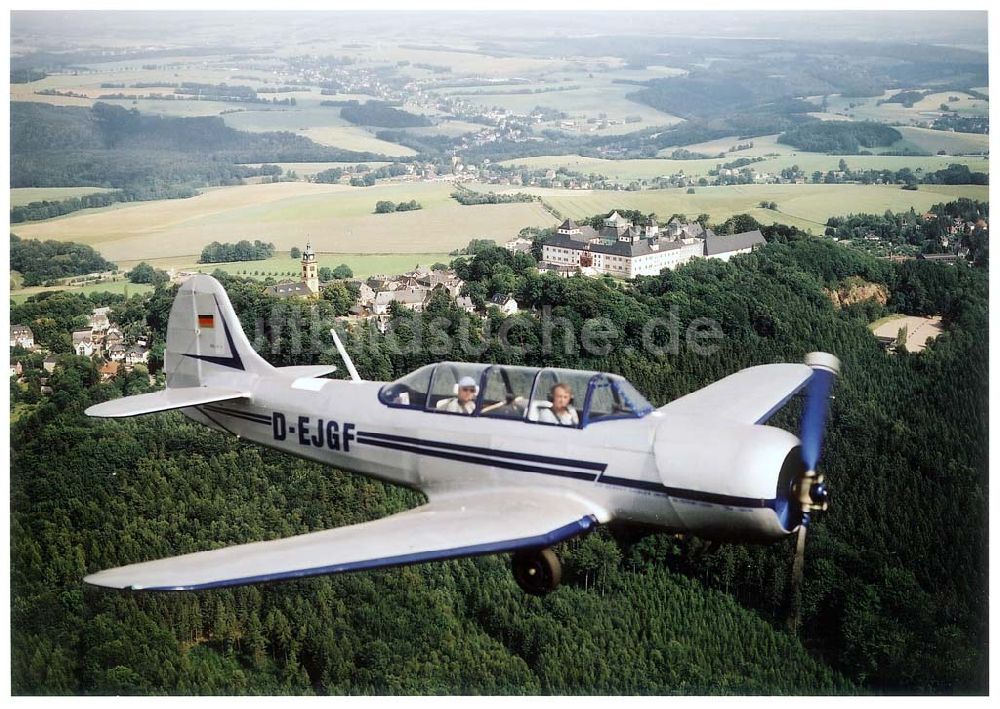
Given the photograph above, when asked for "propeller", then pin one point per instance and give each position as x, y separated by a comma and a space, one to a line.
810, 490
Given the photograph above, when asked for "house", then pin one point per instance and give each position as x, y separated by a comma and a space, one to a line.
22, 336
136, 354
99, 319
724, 247
112, 337
506, 303
308, 287
108, 370
366, 294
465, 303
939, 258
49, 364
115, 352
519, 245
83, 343
410, 298
16, 370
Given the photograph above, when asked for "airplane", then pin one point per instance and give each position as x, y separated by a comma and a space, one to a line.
511, 459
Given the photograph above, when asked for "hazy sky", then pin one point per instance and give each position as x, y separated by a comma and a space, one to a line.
968, 29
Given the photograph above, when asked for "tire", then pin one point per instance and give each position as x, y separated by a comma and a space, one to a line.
536, 571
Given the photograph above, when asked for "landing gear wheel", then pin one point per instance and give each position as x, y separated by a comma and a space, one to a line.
537, 571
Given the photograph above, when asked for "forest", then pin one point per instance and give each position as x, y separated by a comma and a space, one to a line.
842, 137
894, 599
42, 261
111, 146
380, 113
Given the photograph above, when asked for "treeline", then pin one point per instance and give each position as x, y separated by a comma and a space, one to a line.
26, 76
380, 113
844, 137
471, 197
47, 209
242, 250
384, 206
963, 124
41, 262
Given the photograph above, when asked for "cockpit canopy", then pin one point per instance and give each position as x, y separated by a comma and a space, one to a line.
558, 397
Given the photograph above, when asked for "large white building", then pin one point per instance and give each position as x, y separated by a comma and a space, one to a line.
625, 250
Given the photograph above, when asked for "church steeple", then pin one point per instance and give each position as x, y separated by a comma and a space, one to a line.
310, 269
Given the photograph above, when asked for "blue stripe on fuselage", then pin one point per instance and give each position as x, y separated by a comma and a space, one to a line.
506, 459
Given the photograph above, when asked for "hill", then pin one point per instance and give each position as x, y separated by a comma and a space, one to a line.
894, 599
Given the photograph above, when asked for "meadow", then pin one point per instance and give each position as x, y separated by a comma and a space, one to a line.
924, 110
335, 218
283, 266
649, 169
805, 206
121, 286
27, 195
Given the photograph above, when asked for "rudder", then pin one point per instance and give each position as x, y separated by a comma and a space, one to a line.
206, 345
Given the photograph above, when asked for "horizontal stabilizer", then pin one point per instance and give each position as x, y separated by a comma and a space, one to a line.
307, 370
162, 401
485, 522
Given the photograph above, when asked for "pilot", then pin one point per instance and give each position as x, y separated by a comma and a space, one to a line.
464, 401
562, 411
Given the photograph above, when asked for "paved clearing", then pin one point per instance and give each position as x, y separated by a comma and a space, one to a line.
919, 329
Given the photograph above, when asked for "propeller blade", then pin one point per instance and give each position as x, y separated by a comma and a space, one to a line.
798, 565
825, 369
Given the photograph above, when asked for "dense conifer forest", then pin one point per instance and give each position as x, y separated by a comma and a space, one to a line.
895, 594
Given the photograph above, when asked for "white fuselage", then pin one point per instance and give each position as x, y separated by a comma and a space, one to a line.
611, 464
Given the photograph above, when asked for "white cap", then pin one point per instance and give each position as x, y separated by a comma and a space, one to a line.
823, 360
467, 382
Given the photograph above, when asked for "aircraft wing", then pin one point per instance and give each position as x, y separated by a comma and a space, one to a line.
165, 400
465, 525
751, 395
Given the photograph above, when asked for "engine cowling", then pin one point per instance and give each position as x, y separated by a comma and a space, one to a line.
730, 480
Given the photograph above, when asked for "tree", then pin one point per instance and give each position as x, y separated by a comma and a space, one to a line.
295, 253
326, 273
144, 273
384, 206
343, 271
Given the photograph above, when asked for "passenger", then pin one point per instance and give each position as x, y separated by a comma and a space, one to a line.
562, 411
464, 401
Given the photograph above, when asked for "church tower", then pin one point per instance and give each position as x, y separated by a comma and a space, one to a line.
310, 270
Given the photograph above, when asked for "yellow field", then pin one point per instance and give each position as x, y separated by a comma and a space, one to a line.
336, 218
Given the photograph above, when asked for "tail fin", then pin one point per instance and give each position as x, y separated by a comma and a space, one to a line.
206, 345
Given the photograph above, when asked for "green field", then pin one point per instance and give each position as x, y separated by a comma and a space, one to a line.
121, 286
805, 206
279, 267
27, 195
925, 110
930, 141
284, 266
593, 98
627, 170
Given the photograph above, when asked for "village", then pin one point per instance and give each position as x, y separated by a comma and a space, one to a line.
101, 341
